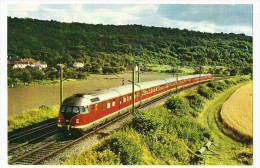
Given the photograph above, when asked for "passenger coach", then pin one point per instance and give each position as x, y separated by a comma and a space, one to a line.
84, 111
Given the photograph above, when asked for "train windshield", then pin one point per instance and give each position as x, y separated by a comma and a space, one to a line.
73, 109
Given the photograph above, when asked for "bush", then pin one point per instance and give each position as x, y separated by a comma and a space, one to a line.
206, 92
242, 79
196, 101
167, 147
216, 86
92, 157
193, 133
229, 82
44, 107
125, 147
177, 105
151, 119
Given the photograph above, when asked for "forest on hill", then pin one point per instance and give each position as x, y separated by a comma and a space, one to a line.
106, 46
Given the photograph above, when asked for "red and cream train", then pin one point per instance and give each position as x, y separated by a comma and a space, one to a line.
84, 111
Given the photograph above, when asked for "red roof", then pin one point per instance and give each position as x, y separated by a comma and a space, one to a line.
28, 60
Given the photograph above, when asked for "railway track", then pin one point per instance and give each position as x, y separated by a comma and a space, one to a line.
49, 149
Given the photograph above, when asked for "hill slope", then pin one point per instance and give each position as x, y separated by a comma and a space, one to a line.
110, 45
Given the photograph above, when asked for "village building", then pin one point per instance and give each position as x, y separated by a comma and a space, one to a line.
23, 63
40, 65
78, 65
18, 64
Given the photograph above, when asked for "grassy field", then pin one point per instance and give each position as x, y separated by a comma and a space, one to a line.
32, 116
237, 111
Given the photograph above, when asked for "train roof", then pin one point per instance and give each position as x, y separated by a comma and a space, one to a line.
122, 90
105, 94
149, 84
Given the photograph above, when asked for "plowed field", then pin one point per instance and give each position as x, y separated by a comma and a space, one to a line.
237, 111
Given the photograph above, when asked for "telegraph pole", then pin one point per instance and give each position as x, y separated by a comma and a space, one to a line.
61, 90
177, 79
200, 73
173, 70
133, 90
138, 73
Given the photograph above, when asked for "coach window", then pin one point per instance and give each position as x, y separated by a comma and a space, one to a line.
103, 106
108, 104
124, 100
130, 97
114, 102
127, 97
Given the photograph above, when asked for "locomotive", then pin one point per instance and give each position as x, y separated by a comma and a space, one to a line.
83, 111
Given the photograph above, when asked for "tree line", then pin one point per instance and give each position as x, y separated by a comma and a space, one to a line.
111, 48
17, 77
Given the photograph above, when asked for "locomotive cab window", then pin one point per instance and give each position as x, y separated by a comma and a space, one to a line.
63, 108
75, 110
68, 109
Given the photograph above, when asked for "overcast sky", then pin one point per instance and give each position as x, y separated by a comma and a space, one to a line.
205, 18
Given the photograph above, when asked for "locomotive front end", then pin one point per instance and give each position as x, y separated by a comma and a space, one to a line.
73, 115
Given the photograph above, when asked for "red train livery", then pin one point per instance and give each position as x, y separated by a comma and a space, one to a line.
83, 111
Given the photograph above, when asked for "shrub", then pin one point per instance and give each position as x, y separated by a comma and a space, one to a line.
216, 86
206, 92
92, 157
167, 147
151, 119
242, 79
193, 133
230, 82
44, 107
177, 105
125, 147
196, 101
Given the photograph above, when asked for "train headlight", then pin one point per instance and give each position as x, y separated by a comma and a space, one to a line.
77, 121
58, 119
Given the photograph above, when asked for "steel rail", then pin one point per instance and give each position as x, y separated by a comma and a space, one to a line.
42, 147
28, 132
27, 142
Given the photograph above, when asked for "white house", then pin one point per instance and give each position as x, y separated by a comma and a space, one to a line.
23, 63
78, 65
40, 65
18, 64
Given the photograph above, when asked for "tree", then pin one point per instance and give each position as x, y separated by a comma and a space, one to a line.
25, 76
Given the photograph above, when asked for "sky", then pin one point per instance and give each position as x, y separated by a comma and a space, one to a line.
226, 18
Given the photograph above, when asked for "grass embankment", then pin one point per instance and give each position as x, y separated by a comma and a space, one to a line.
162, 135
32, 116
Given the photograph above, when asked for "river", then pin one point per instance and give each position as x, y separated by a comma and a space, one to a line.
24, 98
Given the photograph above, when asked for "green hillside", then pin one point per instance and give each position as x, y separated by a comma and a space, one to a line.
117, 46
